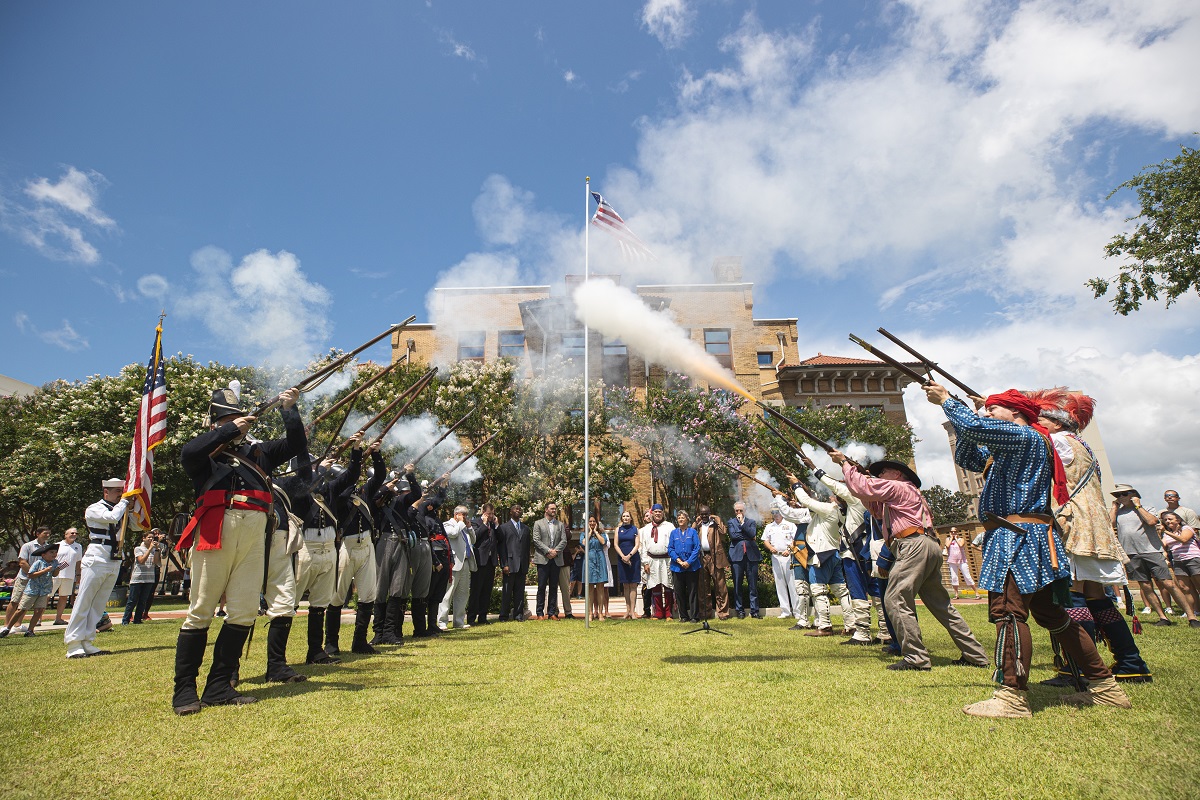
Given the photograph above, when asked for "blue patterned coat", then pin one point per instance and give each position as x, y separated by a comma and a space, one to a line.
1018, 483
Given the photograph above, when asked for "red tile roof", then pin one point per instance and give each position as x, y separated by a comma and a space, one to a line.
822, 360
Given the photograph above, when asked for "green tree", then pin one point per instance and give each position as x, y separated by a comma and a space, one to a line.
1163, 252
946, 506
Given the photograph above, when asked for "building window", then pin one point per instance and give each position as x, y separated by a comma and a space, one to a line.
512, 344
616, 363
470, 346
572, 345
766, 358
716, 343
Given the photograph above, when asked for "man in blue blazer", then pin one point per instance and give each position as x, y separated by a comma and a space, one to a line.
744, 556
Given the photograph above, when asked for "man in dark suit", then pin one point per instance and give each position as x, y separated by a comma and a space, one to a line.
484, 576
744, 556
512, 551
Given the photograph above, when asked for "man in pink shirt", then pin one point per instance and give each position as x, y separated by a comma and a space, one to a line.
892, 493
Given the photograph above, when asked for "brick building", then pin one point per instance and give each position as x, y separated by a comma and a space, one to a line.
529, 324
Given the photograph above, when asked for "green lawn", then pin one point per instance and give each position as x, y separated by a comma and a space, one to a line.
627, 709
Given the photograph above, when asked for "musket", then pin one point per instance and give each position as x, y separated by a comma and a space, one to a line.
805, 432
442, 438
337, 451
467, 457
884, 357
349, 397
931, 366
750, 477
314, 380
786, 470
416, 392
797, 427
791, 445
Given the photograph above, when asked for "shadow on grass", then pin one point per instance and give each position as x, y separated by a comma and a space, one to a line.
728, 659
124, 651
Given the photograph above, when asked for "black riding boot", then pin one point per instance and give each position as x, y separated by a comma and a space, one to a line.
333, 628
316, 630
189, 654
418, 617
394, 622
379, 622
278, 670
362, 620
227, 651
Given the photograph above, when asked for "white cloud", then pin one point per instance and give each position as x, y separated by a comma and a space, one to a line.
53, 219
265, 308
669, 21
932, 148
65, 337
76, 192
153, 285
569, 76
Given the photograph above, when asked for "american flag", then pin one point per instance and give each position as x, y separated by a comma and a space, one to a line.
606, 218
151, 428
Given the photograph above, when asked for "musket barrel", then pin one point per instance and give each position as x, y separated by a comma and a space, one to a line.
797, 427
929, 365
415, 393
351, 396
882, 356
442, 438
387, 410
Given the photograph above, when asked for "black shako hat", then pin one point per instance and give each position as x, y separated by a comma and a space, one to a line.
224, 402
879, 466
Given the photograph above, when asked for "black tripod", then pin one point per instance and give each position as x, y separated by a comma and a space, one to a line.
706, 628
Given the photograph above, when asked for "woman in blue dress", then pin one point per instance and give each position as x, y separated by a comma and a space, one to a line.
596, 541
629, 562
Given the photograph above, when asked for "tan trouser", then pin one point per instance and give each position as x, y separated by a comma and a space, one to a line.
315, 573
918, 573
713, 589
281, 579
356, 562
236, 571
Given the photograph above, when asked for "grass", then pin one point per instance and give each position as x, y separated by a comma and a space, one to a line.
627, 709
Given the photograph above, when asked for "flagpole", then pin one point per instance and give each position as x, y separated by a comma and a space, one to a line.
587, 505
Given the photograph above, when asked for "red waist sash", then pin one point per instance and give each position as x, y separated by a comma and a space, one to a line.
209, 516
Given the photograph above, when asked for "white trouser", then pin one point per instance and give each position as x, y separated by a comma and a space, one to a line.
803, 600
235, 570
456, 595
877, 603
785, 589
281, 579
966, 573
862, 619
820, 593
315, 573
98, 577
356, 562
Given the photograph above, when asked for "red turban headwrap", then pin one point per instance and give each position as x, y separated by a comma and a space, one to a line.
1015, 401
1029, 408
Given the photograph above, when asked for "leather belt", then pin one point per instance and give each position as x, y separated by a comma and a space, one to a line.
915, 530
1018, 519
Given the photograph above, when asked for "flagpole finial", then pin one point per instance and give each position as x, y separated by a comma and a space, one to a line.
587, 179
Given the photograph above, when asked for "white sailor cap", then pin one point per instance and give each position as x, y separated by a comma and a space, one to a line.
113, 483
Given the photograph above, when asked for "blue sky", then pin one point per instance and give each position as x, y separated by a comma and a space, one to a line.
937, 167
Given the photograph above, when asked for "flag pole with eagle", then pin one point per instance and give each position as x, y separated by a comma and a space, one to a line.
149, 430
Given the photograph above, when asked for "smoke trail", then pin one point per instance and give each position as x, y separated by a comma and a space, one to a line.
619, 313
759, 499
335, 383
861, 452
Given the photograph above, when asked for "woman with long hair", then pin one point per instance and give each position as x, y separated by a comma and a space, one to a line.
596, 569
629, 562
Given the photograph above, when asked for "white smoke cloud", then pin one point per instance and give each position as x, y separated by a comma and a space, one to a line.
265, 309
337, 382
758, 499
618, 312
